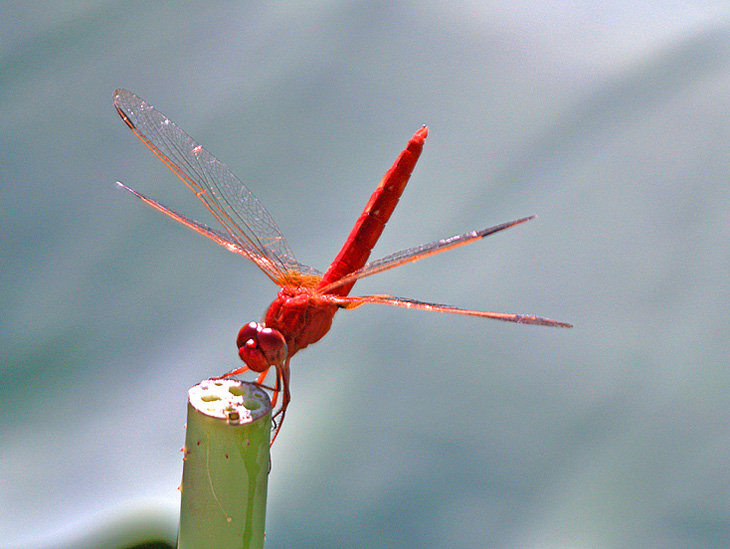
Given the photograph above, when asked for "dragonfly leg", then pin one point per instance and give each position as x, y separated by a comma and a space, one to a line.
233, 372
262, 377
241, 370
258, 382
274, 398
282, 375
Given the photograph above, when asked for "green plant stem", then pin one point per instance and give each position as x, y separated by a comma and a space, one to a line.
226, 465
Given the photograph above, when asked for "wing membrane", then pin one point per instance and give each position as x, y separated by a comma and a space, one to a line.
240, 213
421, 252
351, 302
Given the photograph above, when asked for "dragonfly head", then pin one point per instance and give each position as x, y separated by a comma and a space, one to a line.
260, 348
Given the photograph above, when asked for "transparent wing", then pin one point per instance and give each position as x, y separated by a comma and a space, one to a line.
220, 237
250, 227
420, 252
351, 302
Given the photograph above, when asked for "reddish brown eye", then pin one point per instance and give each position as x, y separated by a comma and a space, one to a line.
260, 348
249, 331
273, 345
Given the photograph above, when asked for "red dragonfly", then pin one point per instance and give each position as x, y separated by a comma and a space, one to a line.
303, 310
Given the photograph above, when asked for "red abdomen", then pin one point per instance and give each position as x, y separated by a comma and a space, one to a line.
356, 250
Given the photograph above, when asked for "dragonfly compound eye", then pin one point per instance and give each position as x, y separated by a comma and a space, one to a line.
273, 345
260, 348
249, 331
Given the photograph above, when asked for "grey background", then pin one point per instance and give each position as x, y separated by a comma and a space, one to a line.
610, 121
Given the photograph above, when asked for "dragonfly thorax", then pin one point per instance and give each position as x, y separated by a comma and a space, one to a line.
301, 315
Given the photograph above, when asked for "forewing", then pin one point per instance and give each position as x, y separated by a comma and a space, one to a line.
230, 202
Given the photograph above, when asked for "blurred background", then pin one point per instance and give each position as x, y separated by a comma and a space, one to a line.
611, 121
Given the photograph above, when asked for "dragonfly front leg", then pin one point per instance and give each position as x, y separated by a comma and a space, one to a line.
235, 372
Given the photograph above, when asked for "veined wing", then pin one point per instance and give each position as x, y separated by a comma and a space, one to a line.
420, 252
249, 225
220, 237
351, 302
